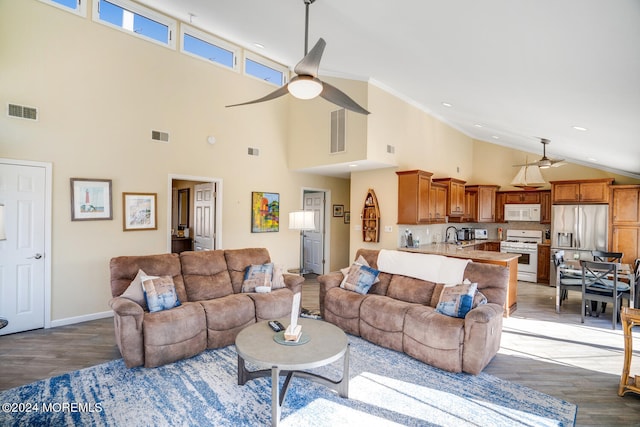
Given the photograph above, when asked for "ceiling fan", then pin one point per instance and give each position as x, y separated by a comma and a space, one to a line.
544, 162
306, 84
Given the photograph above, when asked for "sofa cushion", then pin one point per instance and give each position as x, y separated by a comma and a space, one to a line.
382, 321
123, 270
342, 308
257, 276
457, 300
160, 293
239, 259
135, 293
407, 289
277, 280
226, 316
205, 275
492, 280
359, 279
272, 305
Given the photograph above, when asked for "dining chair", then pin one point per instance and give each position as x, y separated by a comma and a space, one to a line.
600, 283
604, 256
567, 282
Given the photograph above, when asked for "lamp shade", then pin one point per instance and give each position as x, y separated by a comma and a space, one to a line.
3, 233
302, 220
304, 87
528, 177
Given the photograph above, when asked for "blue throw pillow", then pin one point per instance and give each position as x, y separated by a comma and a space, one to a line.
160, 293
257, 275
457, 300
360, 278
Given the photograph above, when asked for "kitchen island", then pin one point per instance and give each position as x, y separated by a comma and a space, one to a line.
508, 260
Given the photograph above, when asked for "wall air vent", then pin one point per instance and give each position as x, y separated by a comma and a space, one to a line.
338, 131
253, 151
156, 135
22, 112
391, 149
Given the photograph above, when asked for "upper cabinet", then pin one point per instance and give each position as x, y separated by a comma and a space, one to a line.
523, 197
625, 204
545, 207
500, 201
484, 202
438, 203
414, 188
455, 197
581, 191
470, 204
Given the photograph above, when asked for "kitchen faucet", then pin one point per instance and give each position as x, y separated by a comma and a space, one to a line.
455, 234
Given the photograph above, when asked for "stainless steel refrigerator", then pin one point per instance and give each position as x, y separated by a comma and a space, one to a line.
577, 230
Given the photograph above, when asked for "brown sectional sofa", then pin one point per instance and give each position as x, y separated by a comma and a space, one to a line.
213, 309
399, 313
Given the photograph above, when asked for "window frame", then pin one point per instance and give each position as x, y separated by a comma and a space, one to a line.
80, 11
172, 24
211, 39
267, 63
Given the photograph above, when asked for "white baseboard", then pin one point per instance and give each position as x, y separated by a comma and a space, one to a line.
80, 319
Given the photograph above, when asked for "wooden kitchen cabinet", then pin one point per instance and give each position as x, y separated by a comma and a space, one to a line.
624, 211
545, 207
438, 203
544, 264
581, 191
455, 197
414, 189
626, 239
625, 204
522, 197
470, 204
485, 202
491, 246
500, 198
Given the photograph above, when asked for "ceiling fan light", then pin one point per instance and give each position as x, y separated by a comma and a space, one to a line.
305, 87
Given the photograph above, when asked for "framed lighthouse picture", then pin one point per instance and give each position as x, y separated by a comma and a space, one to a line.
91, 199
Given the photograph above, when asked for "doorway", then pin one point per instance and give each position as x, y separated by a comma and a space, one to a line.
195, 214
315, 242
25, 245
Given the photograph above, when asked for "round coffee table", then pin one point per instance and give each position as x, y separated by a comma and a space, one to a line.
327, 343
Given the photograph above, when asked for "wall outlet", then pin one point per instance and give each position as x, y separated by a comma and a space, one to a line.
388, 228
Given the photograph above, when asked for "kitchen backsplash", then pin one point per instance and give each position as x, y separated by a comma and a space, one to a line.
435, 233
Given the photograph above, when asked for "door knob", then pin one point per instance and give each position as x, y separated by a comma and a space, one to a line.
36, 256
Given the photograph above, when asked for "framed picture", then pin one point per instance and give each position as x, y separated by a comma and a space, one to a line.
90, 199
338, 210
265, 212
139, 211
347, 217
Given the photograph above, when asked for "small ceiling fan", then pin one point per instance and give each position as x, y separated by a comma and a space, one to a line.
544, 162
306, 84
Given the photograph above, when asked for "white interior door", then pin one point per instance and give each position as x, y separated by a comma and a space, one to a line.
313, 242
22, 262
204, 217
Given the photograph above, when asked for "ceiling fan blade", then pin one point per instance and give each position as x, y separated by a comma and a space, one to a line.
308, 66
557, 163
281, 91
341, 99
525, 164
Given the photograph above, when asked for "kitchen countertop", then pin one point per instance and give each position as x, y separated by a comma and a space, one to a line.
464, 250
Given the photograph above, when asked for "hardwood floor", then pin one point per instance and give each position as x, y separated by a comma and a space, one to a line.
549, 352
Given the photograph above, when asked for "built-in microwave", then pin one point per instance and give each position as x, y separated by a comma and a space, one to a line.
522, 212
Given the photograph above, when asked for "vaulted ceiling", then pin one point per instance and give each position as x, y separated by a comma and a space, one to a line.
510, 71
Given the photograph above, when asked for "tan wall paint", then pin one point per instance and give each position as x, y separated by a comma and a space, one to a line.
100, 92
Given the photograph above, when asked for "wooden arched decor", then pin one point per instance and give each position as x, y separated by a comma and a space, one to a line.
371, 218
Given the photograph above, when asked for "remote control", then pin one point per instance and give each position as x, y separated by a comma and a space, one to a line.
276, 326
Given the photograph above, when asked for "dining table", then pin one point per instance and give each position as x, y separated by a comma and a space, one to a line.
573, 268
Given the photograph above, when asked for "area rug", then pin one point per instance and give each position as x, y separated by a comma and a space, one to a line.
386, 388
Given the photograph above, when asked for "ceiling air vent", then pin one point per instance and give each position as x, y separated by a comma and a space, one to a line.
253, 151
156, 135
338, 131
22, 112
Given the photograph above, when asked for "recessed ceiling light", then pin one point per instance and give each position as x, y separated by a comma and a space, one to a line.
580, 128
353, 165
591, 159
446, 104
258, 45
495, 137
478, 125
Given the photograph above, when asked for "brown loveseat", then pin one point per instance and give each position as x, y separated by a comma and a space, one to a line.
399, 313
213, 309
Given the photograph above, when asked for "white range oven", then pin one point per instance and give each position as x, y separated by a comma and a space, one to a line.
524, 243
